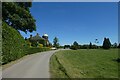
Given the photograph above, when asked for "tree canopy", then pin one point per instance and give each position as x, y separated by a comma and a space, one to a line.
90, 45
75, 45
17, 15
55, 42
119, 45
106, 43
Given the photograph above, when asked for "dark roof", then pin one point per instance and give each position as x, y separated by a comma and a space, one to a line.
36, 37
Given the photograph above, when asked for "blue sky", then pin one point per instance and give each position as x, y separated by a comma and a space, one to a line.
81, 21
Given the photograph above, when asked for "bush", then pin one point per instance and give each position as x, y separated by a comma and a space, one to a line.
41, 45
66, 46
13, 44
106, 43
84, 46
74, 47
36, 49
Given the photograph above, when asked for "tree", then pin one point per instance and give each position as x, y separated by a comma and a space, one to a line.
66, 46
75, 45
115, 45
55, 42
96, 41
106, 43
90, 45
42, 41
50, 44
17, 15
119, 45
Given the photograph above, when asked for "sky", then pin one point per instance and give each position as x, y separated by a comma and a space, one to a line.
76, 21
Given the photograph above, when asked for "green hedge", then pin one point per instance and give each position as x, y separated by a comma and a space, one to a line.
35, 50
13, 44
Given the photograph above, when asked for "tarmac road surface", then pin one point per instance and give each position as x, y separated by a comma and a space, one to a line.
34, 66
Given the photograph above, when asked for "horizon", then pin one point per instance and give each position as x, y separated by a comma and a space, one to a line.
76, 21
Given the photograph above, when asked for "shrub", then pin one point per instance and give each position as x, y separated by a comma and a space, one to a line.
74, 47
41, 45
13, 44
36, 49
66, 46
106, 43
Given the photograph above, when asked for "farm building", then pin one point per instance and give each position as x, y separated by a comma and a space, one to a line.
37, 39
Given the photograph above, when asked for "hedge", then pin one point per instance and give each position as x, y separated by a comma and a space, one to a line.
35, 50
13, 44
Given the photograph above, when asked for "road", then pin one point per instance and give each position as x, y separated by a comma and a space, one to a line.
34, 66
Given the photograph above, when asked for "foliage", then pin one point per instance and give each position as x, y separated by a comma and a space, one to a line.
13, 44
85, 46
90, 45
119, 45
66, 46
55, 42
37, 49
75, 46
41, 45
106, 43
17, 15
114, 45
42, 41
50, 44
83, 63
28, 43
75, 43
35, 42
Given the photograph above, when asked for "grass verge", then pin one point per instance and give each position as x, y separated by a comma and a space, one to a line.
93, 63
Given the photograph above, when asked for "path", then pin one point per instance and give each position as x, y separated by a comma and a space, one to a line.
34, 66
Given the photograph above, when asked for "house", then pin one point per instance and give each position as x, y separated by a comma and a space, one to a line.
37, 39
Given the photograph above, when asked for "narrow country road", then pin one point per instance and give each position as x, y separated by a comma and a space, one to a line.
34, 66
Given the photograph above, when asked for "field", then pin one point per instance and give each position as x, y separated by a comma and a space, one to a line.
84, 63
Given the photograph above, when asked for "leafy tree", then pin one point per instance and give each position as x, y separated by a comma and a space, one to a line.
95, 46
17, 15
55, 42
90, 45
50, 44
119, 45
106, 43
66, 46
42, 41
25, 38
115, 45
75, 45
41, 45
96, 41
85, 46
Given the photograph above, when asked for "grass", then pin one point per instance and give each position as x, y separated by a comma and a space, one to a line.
83, 63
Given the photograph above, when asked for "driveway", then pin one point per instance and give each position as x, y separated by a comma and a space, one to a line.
34, 66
